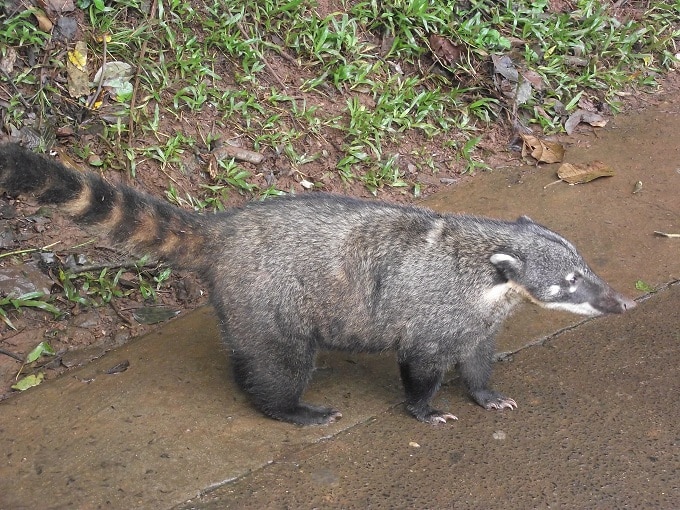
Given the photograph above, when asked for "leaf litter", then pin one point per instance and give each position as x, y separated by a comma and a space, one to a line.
543, 151
574, 173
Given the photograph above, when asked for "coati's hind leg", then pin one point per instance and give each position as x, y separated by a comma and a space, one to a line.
421, 381
275, 381
475, 370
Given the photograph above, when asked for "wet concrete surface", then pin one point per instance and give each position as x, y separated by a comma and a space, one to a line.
597, 424
597, 427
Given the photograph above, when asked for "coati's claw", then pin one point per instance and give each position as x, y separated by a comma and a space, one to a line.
334, 417
502, 403
434, 417
441, 418
489, 399
448, 416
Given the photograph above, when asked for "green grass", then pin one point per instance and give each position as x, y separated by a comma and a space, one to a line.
362, 75
29, 300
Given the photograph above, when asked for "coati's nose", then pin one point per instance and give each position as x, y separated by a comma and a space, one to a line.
613, 302
626, 303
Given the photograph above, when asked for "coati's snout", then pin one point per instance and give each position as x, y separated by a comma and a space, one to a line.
613, 302
561, 281
587, 294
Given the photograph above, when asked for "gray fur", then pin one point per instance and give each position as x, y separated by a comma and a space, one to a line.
291, 276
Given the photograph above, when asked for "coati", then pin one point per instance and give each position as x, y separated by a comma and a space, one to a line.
290, 276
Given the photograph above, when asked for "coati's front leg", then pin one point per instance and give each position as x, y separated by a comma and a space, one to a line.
475, 370
421, 381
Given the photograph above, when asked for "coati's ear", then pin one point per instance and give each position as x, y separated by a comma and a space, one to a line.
525, 220
509, 265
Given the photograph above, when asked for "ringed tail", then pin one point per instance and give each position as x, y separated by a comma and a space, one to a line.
137, 222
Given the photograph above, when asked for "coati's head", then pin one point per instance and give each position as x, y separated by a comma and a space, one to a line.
550, 272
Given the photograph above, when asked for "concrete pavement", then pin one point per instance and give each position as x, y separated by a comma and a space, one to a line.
597, 424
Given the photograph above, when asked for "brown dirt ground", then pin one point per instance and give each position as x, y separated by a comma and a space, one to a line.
85, 333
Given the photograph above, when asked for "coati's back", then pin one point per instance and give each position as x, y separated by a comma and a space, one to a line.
142, 224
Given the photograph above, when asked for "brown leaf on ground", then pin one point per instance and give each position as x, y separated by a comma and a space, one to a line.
229, 151
594, 119
534, 78
44, 23
59, 7
7, 62
542, 151
212, 167
559, 6
503, 65
445, 50
586, 172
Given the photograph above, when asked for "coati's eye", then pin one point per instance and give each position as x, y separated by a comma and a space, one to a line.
572, 278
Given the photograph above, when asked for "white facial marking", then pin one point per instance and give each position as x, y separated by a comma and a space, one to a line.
502, 257
554, 290
578, 308
571, 279
496, 293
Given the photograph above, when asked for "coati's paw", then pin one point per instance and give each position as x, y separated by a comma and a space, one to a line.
307, 414
431, 416
492, 400
502, 403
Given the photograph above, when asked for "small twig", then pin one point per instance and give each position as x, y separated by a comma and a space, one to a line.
85, 243
27, 250
140, 61
229, 151
93, 99
16, 90
115, 265
120, 314
664, 234
12, 355
286, 56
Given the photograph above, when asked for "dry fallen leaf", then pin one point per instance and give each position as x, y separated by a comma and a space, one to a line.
44, 23
59, 7
213, 167
534, 78
78, 56
115, 78
502, 64
445, 50
76, 68
7, 62
542, 151
120, 367
594, 119
586, 172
